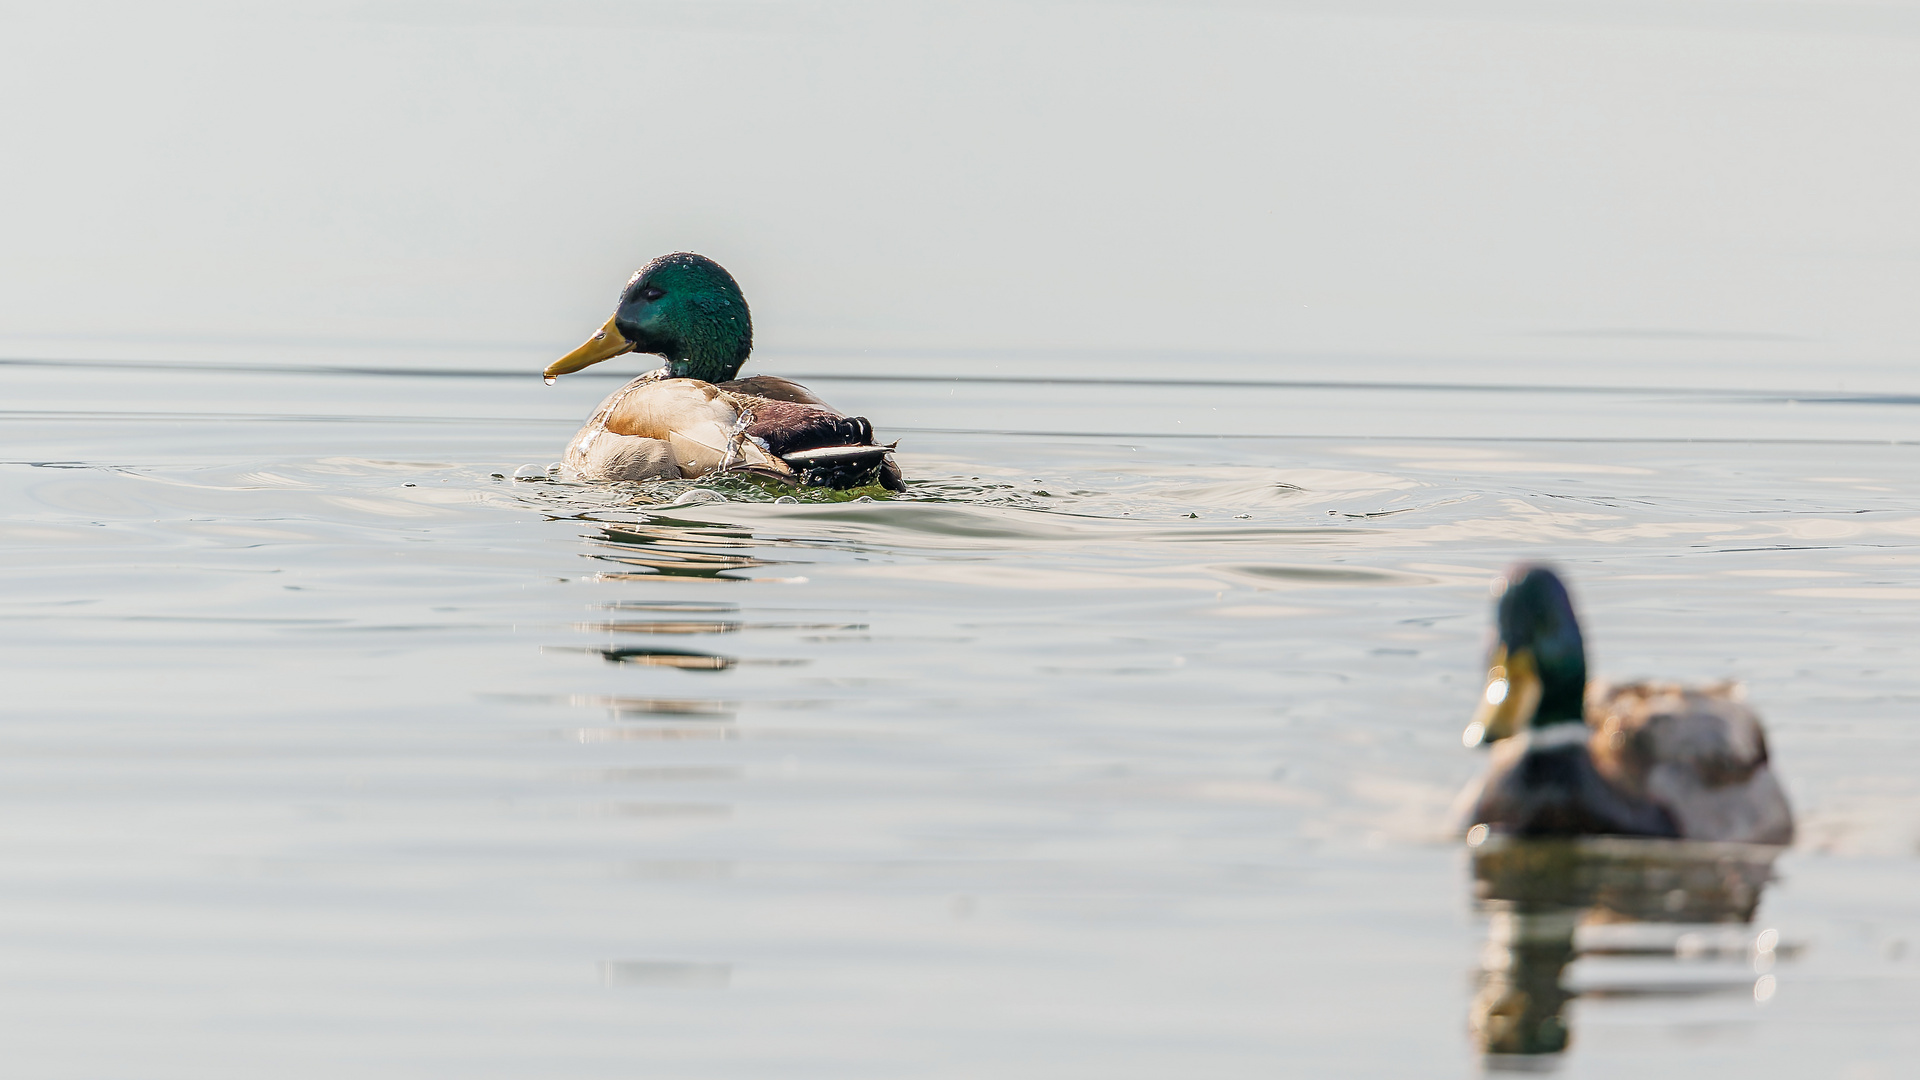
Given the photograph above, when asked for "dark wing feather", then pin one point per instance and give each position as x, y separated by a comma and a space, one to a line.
791, 419
786, 427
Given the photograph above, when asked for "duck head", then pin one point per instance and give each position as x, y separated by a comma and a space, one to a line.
1537, 674
684, 307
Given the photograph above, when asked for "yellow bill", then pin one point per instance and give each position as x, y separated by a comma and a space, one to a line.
605, 345
1509, 701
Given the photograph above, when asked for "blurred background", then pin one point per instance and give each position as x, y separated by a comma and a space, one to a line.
1560, 182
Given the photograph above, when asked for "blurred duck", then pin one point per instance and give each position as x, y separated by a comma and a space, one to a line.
1640, 759
692, 417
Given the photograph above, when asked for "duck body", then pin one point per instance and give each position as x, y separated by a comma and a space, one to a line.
692, 417
661, 428
1638, 759
1546, 783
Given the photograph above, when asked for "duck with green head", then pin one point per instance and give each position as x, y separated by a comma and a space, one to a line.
693, 416
1637, 759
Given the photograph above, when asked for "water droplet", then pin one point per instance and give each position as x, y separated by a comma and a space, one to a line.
786, 500
548, 379
697, 496
530, 472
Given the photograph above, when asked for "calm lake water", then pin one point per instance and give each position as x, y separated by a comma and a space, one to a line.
1232, 347
1121, 745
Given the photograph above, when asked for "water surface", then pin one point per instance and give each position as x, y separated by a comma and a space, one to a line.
1121, 745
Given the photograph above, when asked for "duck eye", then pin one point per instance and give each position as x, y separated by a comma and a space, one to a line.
652, 293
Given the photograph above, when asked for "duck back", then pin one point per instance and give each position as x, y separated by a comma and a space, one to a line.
1700, 752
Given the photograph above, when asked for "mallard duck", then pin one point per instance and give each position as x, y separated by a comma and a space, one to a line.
692, 417
1638, 759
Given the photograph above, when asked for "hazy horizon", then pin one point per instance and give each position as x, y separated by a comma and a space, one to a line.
1692, 181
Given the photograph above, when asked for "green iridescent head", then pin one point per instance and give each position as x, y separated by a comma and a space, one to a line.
1538, 672
684, 307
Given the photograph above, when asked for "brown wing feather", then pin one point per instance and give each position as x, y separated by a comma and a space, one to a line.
1708, 729
1698, 751
786, 427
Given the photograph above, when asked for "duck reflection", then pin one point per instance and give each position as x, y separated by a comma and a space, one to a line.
1519, 1008
684, 659
1551, 902
668, 547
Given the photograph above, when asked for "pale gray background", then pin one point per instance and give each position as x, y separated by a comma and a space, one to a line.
1552, 179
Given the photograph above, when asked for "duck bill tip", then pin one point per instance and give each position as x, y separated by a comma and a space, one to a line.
606, 343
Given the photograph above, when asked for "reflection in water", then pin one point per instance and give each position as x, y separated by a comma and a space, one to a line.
680, 549
685, 659
674, 973
703, 626
1518, 1008
638, 707
685, 607
621, 707
665, 626
1553, 901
